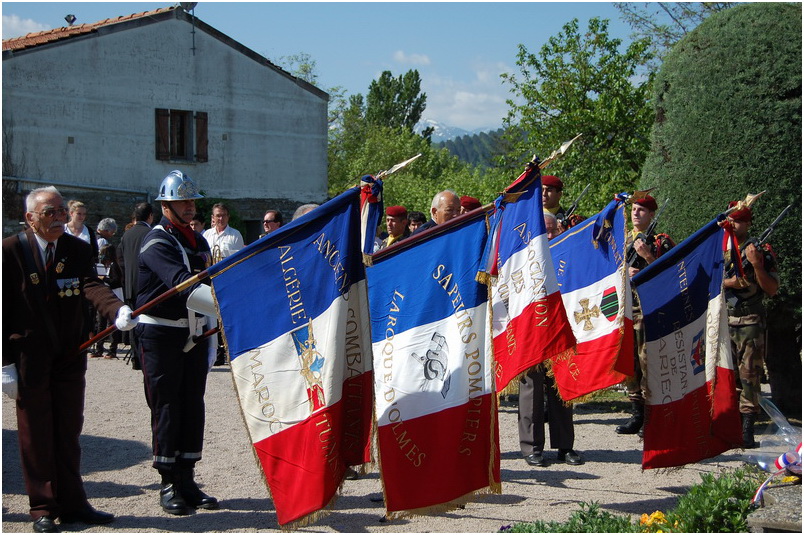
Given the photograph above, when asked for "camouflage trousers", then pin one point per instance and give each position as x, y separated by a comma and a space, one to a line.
636, 385
748, 353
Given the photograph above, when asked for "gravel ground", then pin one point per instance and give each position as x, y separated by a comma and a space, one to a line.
119, 479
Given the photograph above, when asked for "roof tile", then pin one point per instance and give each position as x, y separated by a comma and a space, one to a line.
47, 36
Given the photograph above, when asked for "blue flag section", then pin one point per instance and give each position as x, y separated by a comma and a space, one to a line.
294, 314
691, 401
276, 284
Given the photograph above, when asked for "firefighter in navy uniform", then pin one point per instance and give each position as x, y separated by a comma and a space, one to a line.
747, 315
643, 210
175, 376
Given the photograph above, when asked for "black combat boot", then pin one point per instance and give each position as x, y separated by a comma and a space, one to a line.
170, 497
748, 430
192, 494
634, 424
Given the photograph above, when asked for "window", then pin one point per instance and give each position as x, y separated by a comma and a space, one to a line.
181, 135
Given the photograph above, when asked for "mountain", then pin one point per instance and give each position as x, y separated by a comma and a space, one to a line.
441, 132
476, 149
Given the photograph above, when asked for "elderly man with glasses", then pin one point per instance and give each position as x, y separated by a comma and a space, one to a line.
47, 276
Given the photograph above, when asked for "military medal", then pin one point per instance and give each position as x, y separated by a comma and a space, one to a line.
35, 278
61, 293
76, 291
59, 267
68, 293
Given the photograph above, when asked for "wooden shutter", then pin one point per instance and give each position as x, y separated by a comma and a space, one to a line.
162, 134
201, 138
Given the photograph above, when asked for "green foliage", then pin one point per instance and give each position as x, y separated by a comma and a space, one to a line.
396, 102
665, 23
301, 65
414, 186
589, 519
582, 83
728, 123
716, 505
719, 504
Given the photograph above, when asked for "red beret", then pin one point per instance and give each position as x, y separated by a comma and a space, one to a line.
648, 202
396, 211
554, 181
740, 215
470, 203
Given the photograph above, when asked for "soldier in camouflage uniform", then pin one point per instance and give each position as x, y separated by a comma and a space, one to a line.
643, 211
747, 315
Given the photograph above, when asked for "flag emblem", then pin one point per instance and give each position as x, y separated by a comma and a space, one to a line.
586, 314
697, 355
435, 363
312, 364
609, 305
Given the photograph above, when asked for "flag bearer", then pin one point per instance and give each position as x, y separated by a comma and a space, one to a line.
747, 315
175, 376
643, 210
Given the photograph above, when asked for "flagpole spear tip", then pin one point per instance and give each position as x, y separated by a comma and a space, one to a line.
558, 152
749, 201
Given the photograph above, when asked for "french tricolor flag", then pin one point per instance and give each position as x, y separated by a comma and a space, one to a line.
590, 270
529, 323
294, 312
691, 404
435, 406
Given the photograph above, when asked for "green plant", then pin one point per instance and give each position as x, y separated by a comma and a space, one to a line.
717, 504
588, 519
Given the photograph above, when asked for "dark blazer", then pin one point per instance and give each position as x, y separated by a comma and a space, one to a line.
28, 342
129, 253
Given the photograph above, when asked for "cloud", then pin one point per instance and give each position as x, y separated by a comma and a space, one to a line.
478, 101
13, 26
412, 59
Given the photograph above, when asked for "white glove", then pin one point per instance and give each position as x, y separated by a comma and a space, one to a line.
10, 381
124, 321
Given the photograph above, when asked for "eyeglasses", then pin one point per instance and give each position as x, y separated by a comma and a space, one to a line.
50, 212
266, 221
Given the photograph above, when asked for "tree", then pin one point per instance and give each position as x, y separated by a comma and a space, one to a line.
581, 83
301, 65
728, 123
396, 102
665, 23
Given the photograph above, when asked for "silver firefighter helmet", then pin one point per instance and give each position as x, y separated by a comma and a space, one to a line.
177, 186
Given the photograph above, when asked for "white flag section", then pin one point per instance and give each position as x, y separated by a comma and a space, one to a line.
434, 390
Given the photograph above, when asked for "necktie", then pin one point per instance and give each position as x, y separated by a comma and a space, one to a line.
49, 257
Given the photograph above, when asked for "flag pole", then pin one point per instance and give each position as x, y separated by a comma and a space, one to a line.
153, 302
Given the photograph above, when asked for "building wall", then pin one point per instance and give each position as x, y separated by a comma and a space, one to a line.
83, 112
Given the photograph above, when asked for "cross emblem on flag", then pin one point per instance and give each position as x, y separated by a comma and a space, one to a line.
586, 314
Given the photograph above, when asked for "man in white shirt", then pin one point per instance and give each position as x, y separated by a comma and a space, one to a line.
223, 240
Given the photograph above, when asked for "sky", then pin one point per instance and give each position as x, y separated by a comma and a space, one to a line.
459, 48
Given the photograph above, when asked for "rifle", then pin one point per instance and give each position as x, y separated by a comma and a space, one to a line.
565, 220
631, 255
758, 243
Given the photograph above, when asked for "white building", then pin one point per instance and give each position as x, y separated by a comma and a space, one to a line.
114, 106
